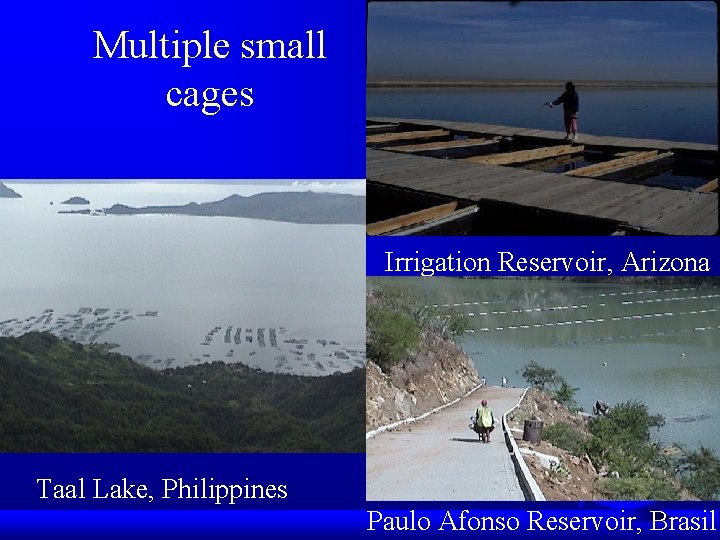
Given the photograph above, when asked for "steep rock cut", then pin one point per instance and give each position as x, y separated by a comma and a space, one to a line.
438, 375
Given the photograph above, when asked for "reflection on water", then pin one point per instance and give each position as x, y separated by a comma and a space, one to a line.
654, 343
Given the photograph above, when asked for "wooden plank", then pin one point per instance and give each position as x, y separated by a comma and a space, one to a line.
543, 193
413, 218
474, 181
626, 153
641, 171
416, 177
704, 219
581, 198
568, 197
653, 209
456, 224
614, 165
516, 185
444, 145
646, 211
379, 157
379, 128
497, 186
614, 204
449, 179
695, 214
711, 186
441, 175
406, 136
543, 165
527, 155
379, 162
586, 138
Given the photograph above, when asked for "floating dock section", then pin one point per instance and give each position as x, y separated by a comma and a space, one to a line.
441, 177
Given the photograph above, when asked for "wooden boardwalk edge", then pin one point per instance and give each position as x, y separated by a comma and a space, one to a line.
643, 209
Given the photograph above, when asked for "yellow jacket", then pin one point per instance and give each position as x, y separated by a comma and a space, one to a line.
484, 417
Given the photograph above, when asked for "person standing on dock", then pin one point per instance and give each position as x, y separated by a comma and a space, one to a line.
571, 107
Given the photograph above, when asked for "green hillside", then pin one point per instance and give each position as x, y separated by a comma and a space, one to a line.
60, 396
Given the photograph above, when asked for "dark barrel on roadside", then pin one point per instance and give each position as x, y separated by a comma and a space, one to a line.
532, 431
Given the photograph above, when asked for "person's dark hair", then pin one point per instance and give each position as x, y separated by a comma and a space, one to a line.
569, 86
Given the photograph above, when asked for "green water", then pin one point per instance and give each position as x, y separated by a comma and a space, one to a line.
661, 343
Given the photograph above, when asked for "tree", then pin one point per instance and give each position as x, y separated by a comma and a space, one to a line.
549, 380
391, 336
398, 324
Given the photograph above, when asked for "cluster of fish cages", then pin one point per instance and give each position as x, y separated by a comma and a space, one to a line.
268, 349
272, 349
87, 325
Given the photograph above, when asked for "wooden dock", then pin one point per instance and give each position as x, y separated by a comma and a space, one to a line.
494, 168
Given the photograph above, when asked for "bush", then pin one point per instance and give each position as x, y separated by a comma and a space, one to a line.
566, 436
391, 336
645, 486
457, 324
397, 322
549, 380
701, 473
621, 439
394, 298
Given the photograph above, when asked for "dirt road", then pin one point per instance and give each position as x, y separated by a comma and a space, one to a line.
440, 458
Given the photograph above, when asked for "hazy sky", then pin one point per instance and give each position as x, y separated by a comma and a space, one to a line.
544, 40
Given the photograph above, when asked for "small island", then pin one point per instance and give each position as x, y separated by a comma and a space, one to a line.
6, 192
76, 200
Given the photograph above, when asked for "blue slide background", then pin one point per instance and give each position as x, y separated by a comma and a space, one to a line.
67, 115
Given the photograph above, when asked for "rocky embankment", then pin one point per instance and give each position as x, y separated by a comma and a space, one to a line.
560, 475
438, 375
563, 475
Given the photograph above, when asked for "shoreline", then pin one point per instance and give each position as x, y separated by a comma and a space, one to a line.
405, 84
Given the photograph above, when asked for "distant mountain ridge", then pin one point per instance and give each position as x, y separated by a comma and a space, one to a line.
6, 192
296, 207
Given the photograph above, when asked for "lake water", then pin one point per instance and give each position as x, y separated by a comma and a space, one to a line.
179, 290
679, 114
661, 343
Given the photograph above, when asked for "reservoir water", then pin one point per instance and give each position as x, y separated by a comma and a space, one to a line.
656, 343
171, 290
676, 114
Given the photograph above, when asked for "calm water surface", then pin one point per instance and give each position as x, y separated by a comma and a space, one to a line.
168, 288
661, 343
669, 114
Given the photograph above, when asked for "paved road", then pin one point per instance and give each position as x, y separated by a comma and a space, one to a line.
440, 459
